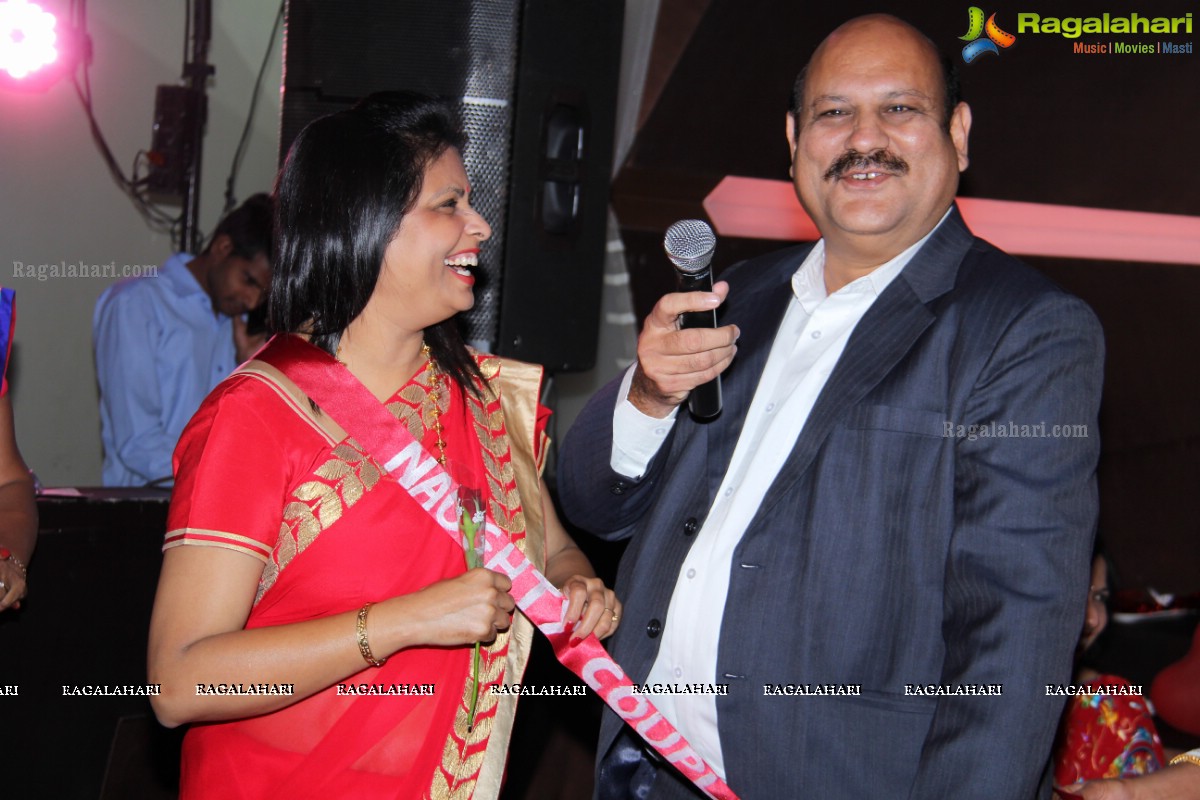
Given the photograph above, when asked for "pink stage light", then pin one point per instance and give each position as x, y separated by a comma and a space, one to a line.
27, 38
757, 208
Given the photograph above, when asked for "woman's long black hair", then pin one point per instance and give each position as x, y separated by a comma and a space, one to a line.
348, 180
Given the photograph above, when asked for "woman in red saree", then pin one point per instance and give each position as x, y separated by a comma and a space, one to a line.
313, 621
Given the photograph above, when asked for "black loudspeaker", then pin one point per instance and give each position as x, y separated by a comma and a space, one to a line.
536, 82
97, 564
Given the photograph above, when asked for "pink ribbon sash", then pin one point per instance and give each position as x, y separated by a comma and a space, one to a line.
341, 395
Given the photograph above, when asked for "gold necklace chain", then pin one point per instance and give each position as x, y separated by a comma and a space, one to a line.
435, 384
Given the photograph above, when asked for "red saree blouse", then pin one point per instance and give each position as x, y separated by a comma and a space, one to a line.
258, 471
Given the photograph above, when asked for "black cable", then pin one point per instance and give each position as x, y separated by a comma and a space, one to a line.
187, 31
240, 152
155, 217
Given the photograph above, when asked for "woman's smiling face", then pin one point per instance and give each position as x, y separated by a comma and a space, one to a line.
426, 275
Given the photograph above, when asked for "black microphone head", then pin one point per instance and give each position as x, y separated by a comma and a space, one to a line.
690, 244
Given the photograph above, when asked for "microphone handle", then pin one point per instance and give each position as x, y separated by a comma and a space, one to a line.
705, 399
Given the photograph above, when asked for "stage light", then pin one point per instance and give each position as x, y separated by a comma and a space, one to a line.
35, 49
27, 37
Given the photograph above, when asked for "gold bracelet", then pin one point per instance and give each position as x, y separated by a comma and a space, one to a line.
364, 646
1189, 758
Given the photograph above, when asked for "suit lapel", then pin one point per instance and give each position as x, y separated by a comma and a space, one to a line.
881, 339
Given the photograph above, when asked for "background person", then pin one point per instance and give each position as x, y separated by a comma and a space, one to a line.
18, 513
1108, 734
162, 343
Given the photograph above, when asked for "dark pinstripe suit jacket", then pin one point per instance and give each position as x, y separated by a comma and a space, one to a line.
889, 552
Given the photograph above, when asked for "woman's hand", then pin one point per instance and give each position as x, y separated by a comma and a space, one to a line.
1105, 790
12, 585
463, 610
18, 514
591, 607
198, 635
1174, 782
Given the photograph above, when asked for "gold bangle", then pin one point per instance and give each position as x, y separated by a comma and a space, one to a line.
364, 646
1189, 758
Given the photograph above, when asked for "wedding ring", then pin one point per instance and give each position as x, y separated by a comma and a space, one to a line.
616, 616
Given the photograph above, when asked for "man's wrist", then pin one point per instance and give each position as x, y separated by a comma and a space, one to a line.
637, 436
647, 399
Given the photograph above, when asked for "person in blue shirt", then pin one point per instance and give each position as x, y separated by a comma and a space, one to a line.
162, 343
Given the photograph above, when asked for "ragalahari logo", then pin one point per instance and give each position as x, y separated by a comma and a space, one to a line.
996, 38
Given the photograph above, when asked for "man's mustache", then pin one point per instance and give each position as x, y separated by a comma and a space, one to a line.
854, 161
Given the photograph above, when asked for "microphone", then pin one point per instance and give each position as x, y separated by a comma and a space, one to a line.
690, 244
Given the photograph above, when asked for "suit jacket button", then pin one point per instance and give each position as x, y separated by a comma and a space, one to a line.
617, 488
690, 527
654, 629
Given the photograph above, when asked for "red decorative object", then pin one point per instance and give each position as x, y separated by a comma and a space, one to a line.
1175, 692
1106, 734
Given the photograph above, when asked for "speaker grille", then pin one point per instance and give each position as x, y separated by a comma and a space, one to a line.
488, 159
487, 117
508, 64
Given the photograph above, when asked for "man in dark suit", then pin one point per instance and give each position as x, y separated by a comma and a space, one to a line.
880, 543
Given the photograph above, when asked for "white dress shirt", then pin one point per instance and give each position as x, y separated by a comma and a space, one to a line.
810, 340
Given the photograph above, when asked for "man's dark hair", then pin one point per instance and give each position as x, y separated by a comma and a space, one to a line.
952, 91
345, 186
249, 228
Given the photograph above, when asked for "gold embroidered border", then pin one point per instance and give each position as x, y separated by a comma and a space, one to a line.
345, 478
341, 481
317, 504
519, 386
463, 753
209, 538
